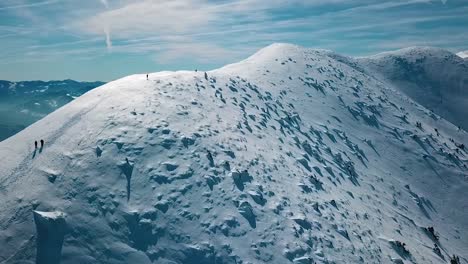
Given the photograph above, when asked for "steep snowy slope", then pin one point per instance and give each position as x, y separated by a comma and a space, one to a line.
291, 156
435, 78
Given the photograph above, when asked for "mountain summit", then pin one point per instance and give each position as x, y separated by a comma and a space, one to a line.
294, 155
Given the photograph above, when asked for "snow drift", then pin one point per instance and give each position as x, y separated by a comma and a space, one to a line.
291, 156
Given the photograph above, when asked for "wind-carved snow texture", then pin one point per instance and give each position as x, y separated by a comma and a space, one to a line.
291, 156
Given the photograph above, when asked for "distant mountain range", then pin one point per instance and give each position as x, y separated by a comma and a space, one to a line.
23, 103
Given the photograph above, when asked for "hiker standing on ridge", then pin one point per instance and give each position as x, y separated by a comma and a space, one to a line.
146, 76
42, 143
35, 144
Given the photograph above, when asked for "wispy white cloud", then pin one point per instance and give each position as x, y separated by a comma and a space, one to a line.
214, 32
64, 44
201, 52
146, 19
141, 18
26, 5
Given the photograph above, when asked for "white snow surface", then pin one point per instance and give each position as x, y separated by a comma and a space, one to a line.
291, 156
463, 54
51, 215
435, 78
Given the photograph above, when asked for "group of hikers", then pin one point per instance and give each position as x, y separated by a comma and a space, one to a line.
42, 144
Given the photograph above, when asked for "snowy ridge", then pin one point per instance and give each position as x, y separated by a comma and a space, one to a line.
291, 156
435, 78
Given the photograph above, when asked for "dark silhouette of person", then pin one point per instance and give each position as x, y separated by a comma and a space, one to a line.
35, 149
146, 76
42, 146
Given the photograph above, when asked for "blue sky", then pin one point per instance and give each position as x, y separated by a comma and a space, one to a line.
108, 39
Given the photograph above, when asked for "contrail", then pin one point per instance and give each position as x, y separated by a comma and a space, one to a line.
108, 38
105, 3
106, 28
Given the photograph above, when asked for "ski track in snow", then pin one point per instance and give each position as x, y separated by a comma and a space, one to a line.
291, 156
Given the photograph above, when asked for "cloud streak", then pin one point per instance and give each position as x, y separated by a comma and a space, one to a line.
20, 6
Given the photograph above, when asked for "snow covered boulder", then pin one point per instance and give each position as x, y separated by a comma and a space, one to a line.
303, 260
51, 228
240, 178
246, 210
303, 223
257, 196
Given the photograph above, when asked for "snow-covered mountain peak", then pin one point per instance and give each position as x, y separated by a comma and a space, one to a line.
416, 52
278, 52
433, 77
291, 156
267, 56
277, 49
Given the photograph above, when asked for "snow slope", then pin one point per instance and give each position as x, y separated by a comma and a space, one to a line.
463, 54
435, 78
291, 156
